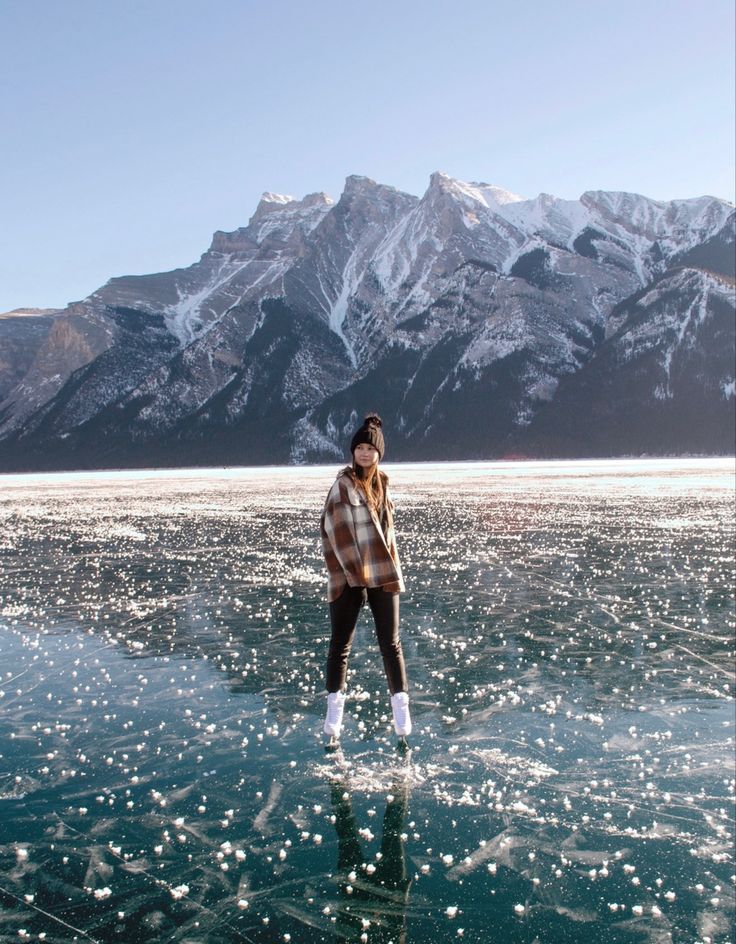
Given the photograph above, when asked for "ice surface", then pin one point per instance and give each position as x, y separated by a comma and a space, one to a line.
568, 629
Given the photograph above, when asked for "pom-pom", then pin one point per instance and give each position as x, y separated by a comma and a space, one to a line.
372, 419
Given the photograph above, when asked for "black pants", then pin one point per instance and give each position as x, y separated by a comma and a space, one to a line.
344, 617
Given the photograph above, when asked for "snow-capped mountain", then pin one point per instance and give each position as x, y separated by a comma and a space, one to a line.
479, 323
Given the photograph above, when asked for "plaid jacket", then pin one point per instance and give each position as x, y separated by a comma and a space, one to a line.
357, 552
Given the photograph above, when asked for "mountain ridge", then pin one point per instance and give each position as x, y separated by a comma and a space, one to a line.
464, 315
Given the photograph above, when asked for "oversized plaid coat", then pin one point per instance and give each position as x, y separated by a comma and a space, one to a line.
357, 552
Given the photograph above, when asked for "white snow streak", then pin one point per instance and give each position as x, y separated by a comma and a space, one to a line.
339, 308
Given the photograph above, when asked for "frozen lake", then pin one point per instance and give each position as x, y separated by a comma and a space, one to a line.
569, 633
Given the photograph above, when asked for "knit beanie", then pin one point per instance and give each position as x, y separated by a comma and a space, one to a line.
370, 432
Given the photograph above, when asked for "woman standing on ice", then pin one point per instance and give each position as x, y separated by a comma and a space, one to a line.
363, 566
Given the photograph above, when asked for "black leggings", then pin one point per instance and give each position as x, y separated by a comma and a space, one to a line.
344, 617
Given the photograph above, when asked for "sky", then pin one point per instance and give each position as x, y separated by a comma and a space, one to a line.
132, 130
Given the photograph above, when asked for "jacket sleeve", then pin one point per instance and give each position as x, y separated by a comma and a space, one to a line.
339, 529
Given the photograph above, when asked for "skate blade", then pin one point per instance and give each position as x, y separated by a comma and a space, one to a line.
403, 748
333, 746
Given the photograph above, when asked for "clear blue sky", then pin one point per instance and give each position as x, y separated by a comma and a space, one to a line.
133, 129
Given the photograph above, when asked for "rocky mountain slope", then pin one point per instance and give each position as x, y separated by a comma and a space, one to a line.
22, 332
478, 323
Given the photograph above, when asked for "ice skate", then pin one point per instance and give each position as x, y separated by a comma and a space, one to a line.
402, 718
335, 709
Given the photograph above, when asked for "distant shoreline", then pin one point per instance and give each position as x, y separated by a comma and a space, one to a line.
314, 470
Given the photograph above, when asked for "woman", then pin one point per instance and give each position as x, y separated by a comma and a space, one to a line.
363, 565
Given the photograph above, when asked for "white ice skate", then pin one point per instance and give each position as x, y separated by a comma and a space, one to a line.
335, 708
402, 718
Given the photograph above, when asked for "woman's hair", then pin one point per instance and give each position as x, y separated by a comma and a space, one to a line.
372, 482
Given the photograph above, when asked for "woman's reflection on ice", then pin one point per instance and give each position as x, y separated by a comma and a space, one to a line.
374, 894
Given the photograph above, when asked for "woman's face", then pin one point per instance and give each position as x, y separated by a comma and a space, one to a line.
365, 455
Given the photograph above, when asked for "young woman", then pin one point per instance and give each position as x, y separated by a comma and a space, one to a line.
363, 566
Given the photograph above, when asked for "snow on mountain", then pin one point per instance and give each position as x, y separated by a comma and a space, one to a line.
653, 230
678, 308
451, 224
467, 316
661, 382
330, 279
248, 259
545, 216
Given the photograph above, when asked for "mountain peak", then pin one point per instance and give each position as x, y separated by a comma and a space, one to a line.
486, 194
441, 182
272, 202
359, 180
317, 199
363, 191
499, 195
357, 184
268, 197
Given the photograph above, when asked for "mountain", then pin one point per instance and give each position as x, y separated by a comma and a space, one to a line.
664, 375
477, 322
22, 332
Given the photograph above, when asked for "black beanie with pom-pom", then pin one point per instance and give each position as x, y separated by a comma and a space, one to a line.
370, 432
